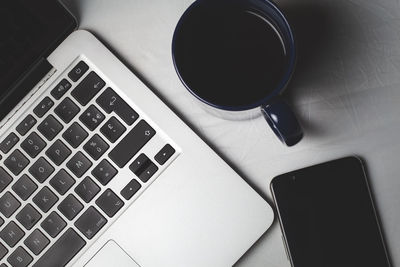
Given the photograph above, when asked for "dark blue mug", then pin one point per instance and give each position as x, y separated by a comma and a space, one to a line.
237, 57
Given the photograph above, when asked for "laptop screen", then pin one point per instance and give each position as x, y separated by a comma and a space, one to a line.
29, 30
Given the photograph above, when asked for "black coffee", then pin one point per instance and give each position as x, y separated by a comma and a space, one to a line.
229, 56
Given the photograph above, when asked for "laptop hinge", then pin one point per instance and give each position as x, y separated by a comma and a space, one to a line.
24, 86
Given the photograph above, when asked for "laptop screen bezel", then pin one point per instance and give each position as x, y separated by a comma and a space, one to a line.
60, 23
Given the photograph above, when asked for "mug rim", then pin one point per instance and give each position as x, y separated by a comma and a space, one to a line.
277, 91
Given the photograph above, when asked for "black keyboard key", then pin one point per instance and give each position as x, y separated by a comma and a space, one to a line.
3, 251
5, 179
45, 199
19, 258
126, 113
41, 170
36, 242
148, 172
130, 189
139, 164
67, 110
8, 204
78, 71
109, 202
110, 101
87, 189
24, 187
96, 147
79, 164
58, 152
50, 127
11, 234
28, 216
33, 145
53, 224
132, 143
70, 207
104, 172
26, 125
61, 88
164, 154
92, 117
88, 88
62, 182
1, 221
8, 143
62, 251
90, 222
44, 106
113, 129
16, 162
75, 135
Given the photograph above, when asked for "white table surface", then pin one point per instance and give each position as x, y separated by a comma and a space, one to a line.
346, 92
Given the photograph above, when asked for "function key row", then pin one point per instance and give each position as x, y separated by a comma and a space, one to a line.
26, 125
43, 107
60, 89
78, 71
9, 142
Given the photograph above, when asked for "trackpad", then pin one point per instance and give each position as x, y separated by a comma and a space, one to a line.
111, 254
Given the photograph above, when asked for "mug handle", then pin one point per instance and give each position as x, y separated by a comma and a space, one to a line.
282, 121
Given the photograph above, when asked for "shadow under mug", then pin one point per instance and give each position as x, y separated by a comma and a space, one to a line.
275, 110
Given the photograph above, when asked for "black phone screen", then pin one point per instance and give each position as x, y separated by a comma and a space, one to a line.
328, 217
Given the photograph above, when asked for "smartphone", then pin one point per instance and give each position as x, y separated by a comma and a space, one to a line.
328, 218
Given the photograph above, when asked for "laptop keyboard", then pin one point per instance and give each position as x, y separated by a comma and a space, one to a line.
57, 165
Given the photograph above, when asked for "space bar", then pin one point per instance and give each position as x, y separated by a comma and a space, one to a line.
62, 251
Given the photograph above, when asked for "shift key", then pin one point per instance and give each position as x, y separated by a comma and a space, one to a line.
130, 145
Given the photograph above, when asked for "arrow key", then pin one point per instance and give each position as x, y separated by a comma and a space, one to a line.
148, 172
43, 107
130, 190
26, 125
165, 153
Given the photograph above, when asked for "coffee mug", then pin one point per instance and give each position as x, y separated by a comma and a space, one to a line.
237, 57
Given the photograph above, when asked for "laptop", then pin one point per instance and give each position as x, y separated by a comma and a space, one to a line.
95, 169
